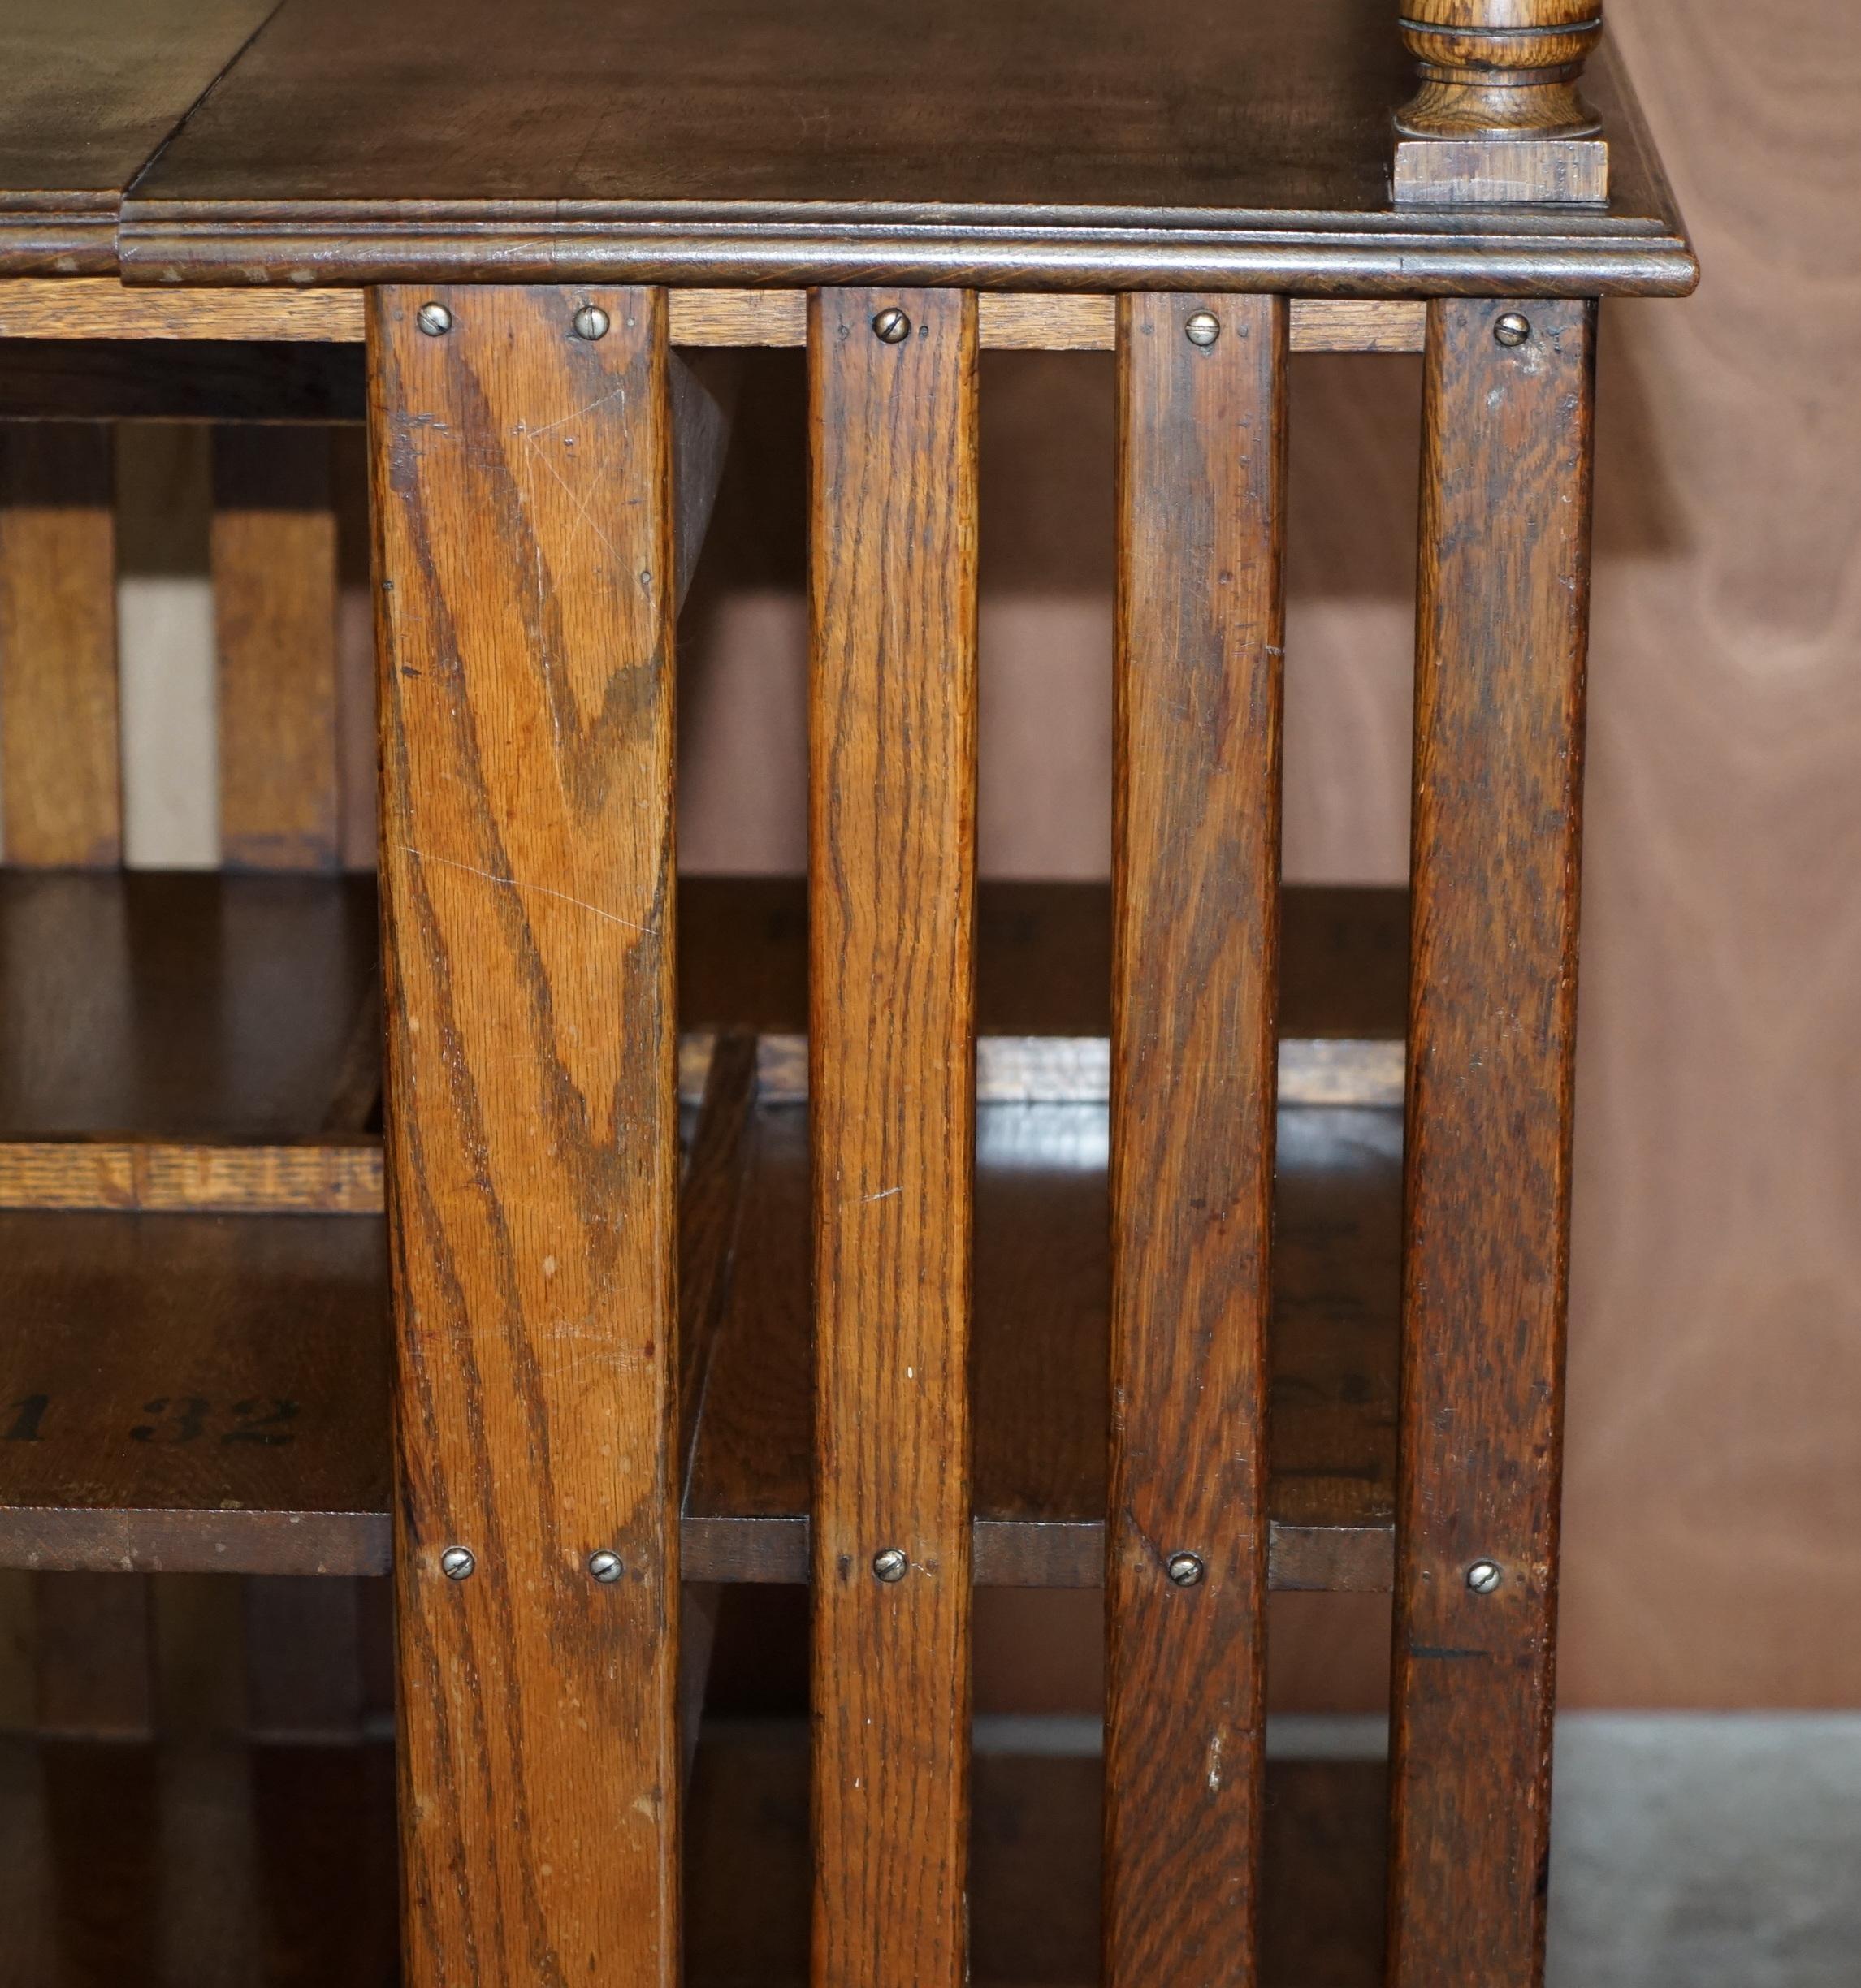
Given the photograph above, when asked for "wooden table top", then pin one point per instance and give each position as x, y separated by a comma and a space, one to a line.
1042, 144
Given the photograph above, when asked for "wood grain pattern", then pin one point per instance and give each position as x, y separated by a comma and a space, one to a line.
324, 1177
100, 307
523, 479
1201, 632
892, 822
274, 551
1502, 624
60, 776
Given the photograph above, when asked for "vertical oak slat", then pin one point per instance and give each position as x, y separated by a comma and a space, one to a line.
273, 556
892, 865
60, 775
1200, 626
1498, 720
522, 488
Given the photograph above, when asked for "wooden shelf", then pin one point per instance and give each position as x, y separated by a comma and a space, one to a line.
186, 1393
268, 1865
236, 1016
1042, 1281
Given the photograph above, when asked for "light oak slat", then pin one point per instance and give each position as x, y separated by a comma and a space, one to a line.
523, 487
60, 775
1502, 624
1200, 626
892, 835
274, 555
1010, 320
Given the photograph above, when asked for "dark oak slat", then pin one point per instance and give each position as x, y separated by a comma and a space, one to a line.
1201, 636
892, 839
1503, 596
60, 778
523, 481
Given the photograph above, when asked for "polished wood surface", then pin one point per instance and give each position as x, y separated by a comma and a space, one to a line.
1087, 147
1502, 626
1201, 638
92, 88
60, 781
892, 977
194, 1392
273, 552
527, 838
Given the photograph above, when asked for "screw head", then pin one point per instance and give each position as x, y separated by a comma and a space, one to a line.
890, 1564
434, 320
1186, 1569
457, 1563
1203, 329
1512, 328
892, 326
605, 1566
592, 322
1484, 1576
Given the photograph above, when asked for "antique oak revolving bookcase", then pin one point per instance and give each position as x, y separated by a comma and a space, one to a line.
600, 1247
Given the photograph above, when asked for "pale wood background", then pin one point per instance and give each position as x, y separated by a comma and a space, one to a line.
1713, 1517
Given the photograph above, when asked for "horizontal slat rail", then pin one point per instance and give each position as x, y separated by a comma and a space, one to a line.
892, 849
1200, 634
1008, 321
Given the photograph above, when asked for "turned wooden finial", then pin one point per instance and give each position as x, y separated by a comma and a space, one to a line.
1500, 115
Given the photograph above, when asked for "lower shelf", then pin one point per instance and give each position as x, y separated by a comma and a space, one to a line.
211, 1393
129, 1866
263, 1865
